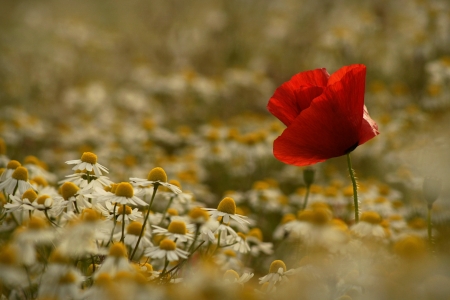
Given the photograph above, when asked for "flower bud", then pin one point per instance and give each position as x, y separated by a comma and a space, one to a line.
308, 176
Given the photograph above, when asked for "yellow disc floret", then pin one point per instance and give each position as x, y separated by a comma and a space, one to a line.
370, 217
276, 265
31, 160
124, 189
39, 180
175, 183
231, 275
89, 157
37, 223
8, 255
177, 226
13, 164
67, 278
197, 214
44, 200
68, 190
118, 250
227, 205
411, 247
134, 228
29, 194
157, 174
256, 233
167, 245
90, 215
20, 173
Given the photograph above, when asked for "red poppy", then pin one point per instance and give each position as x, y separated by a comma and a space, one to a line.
325, 115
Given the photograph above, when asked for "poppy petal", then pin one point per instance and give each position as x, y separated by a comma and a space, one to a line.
296, 95
369, 129
329, 127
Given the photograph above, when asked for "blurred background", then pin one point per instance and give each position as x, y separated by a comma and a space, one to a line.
184, 85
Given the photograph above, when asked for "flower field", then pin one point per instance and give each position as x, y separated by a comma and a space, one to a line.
201, 149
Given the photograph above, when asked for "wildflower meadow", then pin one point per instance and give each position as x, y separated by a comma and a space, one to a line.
225, 149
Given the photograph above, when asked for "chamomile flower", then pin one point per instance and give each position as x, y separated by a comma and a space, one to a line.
239, 243
255, 239
177, 230
89, 163
369, 226
132, 234
18, 182
10, 167
124, 194
86, 187
116, 261
231, 276
22, 203
157, 176
277, 274
166, 249
227, 211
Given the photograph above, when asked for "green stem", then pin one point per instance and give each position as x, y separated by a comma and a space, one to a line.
355, 187
165, 211
430, 236
124, 207
155, 188
114, 224
305, 201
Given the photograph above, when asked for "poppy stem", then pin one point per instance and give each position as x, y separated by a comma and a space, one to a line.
305, 200
355, 187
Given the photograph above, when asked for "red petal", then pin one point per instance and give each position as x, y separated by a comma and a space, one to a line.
330, 127
296, 94
369, 129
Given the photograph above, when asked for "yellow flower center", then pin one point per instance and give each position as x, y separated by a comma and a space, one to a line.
39, 180
114, 187
20, 173
90, 215
175, 183
231, 275
287, 218
37, 223
256, 233
32, 160
134, 228
89, 157
29, 194
57, 258
306, 215
69, 189
124, 189
417, 223
229, 253
370, 217
42, 199
198, 213
321, 216
177, 226
67, 278
167, 245
8, 256
227, 205
118, 250
172, 212
242, 236
128, 209
157, 174
103, 279
276, 265
411, 247
13, 164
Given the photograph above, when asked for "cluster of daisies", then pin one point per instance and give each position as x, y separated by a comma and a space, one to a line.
86, 237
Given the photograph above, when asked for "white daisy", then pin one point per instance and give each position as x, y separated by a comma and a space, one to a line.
167, 249
227, 211
177, 230
124, 194
231, 276
239, 243
89, 163
157, 176
116, 261
18, 182
277, 274
10, 168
